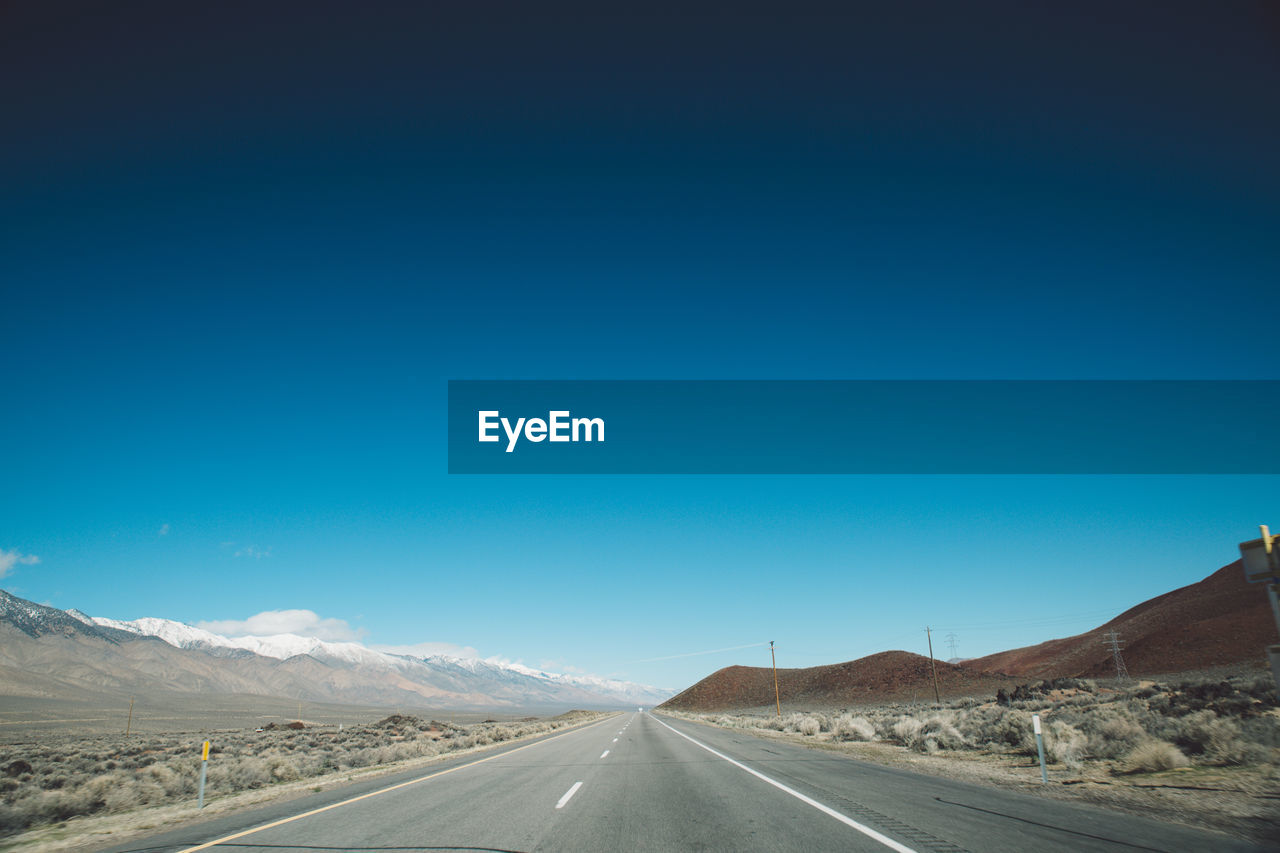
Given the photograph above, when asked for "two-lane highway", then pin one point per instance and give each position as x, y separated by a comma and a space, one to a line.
652, 783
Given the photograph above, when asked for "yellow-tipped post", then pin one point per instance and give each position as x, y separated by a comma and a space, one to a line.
204, 766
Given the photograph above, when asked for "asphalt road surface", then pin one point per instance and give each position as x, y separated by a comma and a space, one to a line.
646, 782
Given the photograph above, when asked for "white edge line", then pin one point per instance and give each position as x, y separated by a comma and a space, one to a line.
567, 794
227, 838
848, 821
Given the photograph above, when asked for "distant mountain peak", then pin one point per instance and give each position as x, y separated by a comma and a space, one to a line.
322, 670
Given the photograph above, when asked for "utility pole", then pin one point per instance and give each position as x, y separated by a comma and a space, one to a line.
937, 700
128, 727
777, 698
1112, 639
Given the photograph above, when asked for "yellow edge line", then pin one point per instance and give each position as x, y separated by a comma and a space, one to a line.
283, 821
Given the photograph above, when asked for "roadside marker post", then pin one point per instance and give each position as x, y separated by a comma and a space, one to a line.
1035, 725
204, 764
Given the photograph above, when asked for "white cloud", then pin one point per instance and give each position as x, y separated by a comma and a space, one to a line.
304, 623
9, 559
422, 650
560, 665
253, 551
164, 530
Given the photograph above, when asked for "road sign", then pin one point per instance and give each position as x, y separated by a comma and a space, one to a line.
1261, 558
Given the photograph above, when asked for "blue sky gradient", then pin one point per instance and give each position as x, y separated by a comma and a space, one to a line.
243, 247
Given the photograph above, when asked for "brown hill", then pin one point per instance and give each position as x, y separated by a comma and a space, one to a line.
883, 677
1220, 621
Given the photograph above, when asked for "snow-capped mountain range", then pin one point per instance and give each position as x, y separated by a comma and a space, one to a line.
285, 646
294, 665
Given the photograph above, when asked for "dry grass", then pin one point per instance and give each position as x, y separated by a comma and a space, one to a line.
1232, 722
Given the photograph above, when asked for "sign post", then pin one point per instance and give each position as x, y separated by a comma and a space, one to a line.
1261, 561
204, 764
1035, 726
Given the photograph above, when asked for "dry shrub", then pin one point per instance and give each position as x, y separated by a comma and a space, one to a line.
237, 774
939, 732
1011, 731
907, 730
1114, 737
11, 819
1155, 755
1065, 744
1218, 739
847, 727
791, 722
283, 770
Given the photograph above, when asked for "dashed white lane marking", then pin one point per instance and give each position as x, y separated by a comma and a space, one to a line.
848, 821
567, 794
603, 754
615, 740
226, 838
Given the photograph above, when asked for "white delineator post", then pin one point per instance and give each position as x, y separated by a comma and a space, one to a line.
1035, 726
204, 764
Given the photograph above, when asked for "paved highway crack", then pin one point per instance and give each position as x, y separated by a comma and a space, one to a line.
919, 839
1052, 826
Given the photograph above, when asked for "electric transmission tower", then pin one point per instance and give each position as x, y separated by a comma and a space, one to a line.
1112, 639
951, 644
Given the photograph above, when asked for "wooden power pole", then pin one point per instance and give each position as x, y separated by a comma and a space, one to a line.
777, 699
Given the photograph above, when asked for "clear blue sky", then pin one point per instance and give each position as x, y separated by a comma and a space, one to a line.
244, 246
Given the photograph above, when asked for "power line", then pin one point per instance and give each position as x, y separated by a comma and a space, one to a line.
695, 654
937, 700
1032, 621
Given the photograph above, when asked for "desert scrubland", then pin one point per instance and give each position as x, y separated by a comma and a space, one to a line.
1202, 752
53, 778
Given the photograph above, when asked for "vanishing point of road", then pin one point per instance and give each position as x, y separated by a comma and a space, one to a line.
645, 782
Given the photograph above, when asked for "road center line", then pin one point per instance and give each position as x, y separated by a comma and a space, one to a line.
848, 821
224, 839
567, 794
